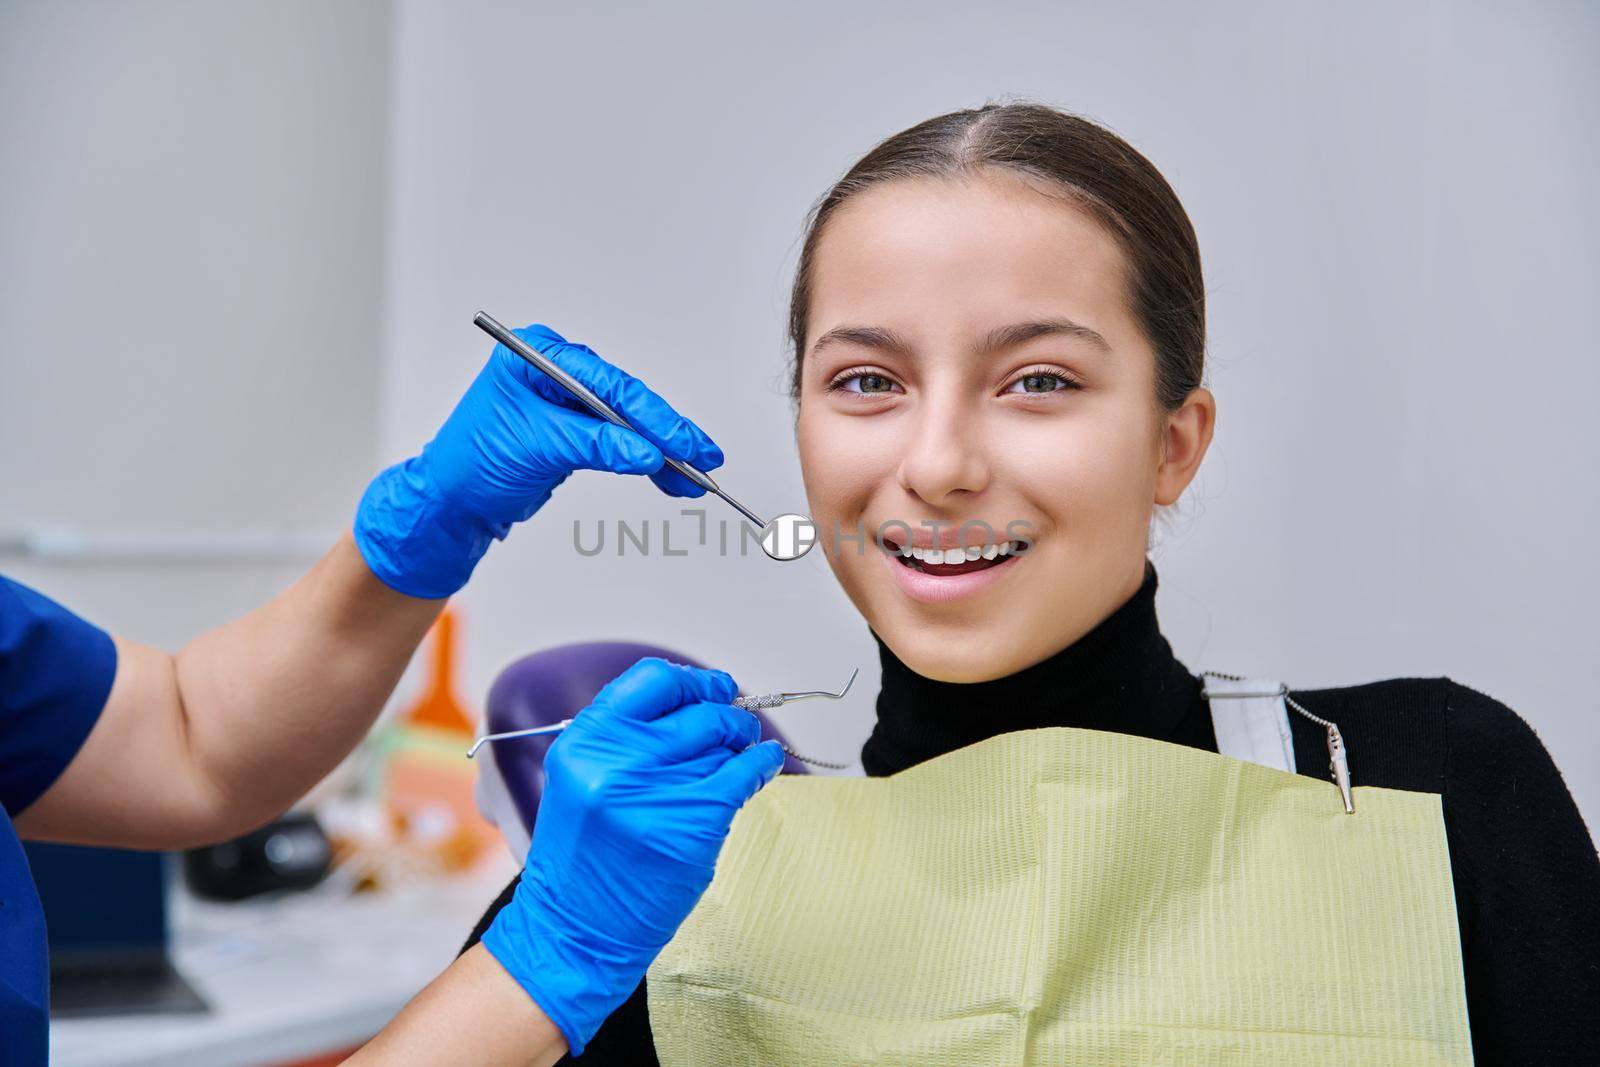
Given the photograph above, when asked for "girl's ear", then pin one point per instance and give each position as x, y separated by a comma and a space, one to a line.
1185, 438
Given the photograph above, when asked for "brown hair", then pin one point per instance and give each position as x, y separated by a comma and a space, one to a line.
1099, 171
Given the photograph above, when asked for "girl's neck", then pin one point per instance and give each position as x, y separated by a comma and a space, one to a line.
1119, 676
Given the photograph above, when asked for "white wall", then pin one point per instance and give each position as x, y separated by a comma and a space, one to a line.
191, 209
1393, 202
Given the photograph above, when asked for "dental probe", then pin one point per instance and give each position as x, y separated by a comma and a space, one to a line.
763, 700
553, 728
777, 700
782, 538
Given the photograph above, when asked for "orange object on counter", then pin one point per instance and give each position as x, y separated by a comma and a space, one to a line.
428, 781
439, 707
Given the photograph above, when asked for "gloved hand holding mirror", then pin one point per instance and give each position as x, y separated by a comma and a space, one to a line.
786, 537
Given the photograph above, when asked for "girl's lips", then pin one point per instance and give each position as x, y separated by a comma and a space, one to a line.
941, 589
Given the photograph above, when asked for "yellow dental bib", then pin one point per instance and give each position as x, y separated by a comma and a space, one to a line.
1066, 896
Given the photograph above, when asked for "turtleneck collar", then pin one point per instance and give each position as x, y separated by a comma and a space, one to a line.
1119, 676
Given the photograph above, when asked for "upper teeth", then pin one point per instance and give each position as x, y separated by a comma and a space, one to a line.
960, 555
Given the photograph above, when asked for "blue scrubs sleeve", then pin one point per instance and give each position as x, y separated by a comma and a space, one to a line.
55, 674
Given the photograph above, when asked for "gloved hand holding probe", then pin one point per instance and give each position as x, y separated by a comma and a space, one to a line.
641, 791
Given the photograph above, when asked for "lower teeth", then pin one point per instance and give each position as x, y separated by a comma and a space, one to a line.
917, 565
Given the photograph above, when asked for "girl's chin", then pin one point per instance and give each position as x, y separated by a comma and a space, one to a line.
931, 663
948, 650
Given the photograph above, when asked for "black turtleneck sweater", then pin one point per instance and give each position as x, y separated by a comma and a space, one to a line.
1527, 880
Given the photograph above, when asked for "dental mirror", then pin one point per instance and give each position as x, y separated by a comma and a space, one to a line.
788, 537
784, 538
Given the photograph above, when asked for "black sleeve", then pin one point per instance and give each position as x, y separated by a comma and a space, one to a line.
489, 913
623, 1039
1528, 881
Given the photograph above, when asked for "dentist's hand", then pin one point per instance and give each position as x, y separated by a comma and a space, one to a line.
514, 436
640, 792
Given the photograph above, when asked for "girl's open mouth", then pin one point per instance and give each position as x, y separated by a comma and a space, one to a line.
950, 562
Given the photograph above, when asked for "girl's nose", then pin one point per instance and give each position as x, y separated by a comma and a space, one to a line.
944, 452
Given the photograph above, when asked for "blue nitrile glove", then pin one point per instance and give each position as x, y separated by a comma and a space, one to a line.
514, 436
639, 793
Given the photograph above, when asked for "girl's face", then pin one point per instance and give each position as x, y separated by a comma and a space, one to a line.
971, 358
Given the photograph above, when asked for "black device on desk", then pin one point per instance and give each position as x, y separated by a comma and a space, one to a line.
106, 912
289, 853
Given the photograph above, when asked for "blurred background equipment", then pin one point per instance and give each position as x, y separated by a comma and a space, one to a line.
426, 784
289, 853
106, 910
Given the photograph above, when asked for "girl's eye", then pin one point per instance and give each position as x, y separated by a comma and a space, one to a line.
871, 383
1042, 382
864, 382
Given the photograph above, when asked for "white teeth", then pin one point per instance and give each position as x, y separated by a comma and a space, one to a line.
948, 556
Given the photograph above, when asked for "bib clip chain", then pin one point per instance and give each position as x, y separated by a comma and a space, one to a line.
1338, 757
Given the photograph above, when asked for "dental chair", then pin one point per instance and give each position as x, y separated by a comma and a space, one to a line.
541, 689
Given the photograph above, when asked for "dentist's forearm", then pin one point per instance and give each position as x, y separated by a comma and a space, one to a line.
474, 1013
278, 697
246, 718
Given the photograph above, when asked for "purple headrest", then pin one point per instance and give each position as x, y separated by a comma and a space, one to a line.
546, 687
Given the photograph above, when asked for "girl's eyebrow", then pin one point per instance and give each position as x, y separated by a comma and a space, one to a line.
877, 337
1001, 337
